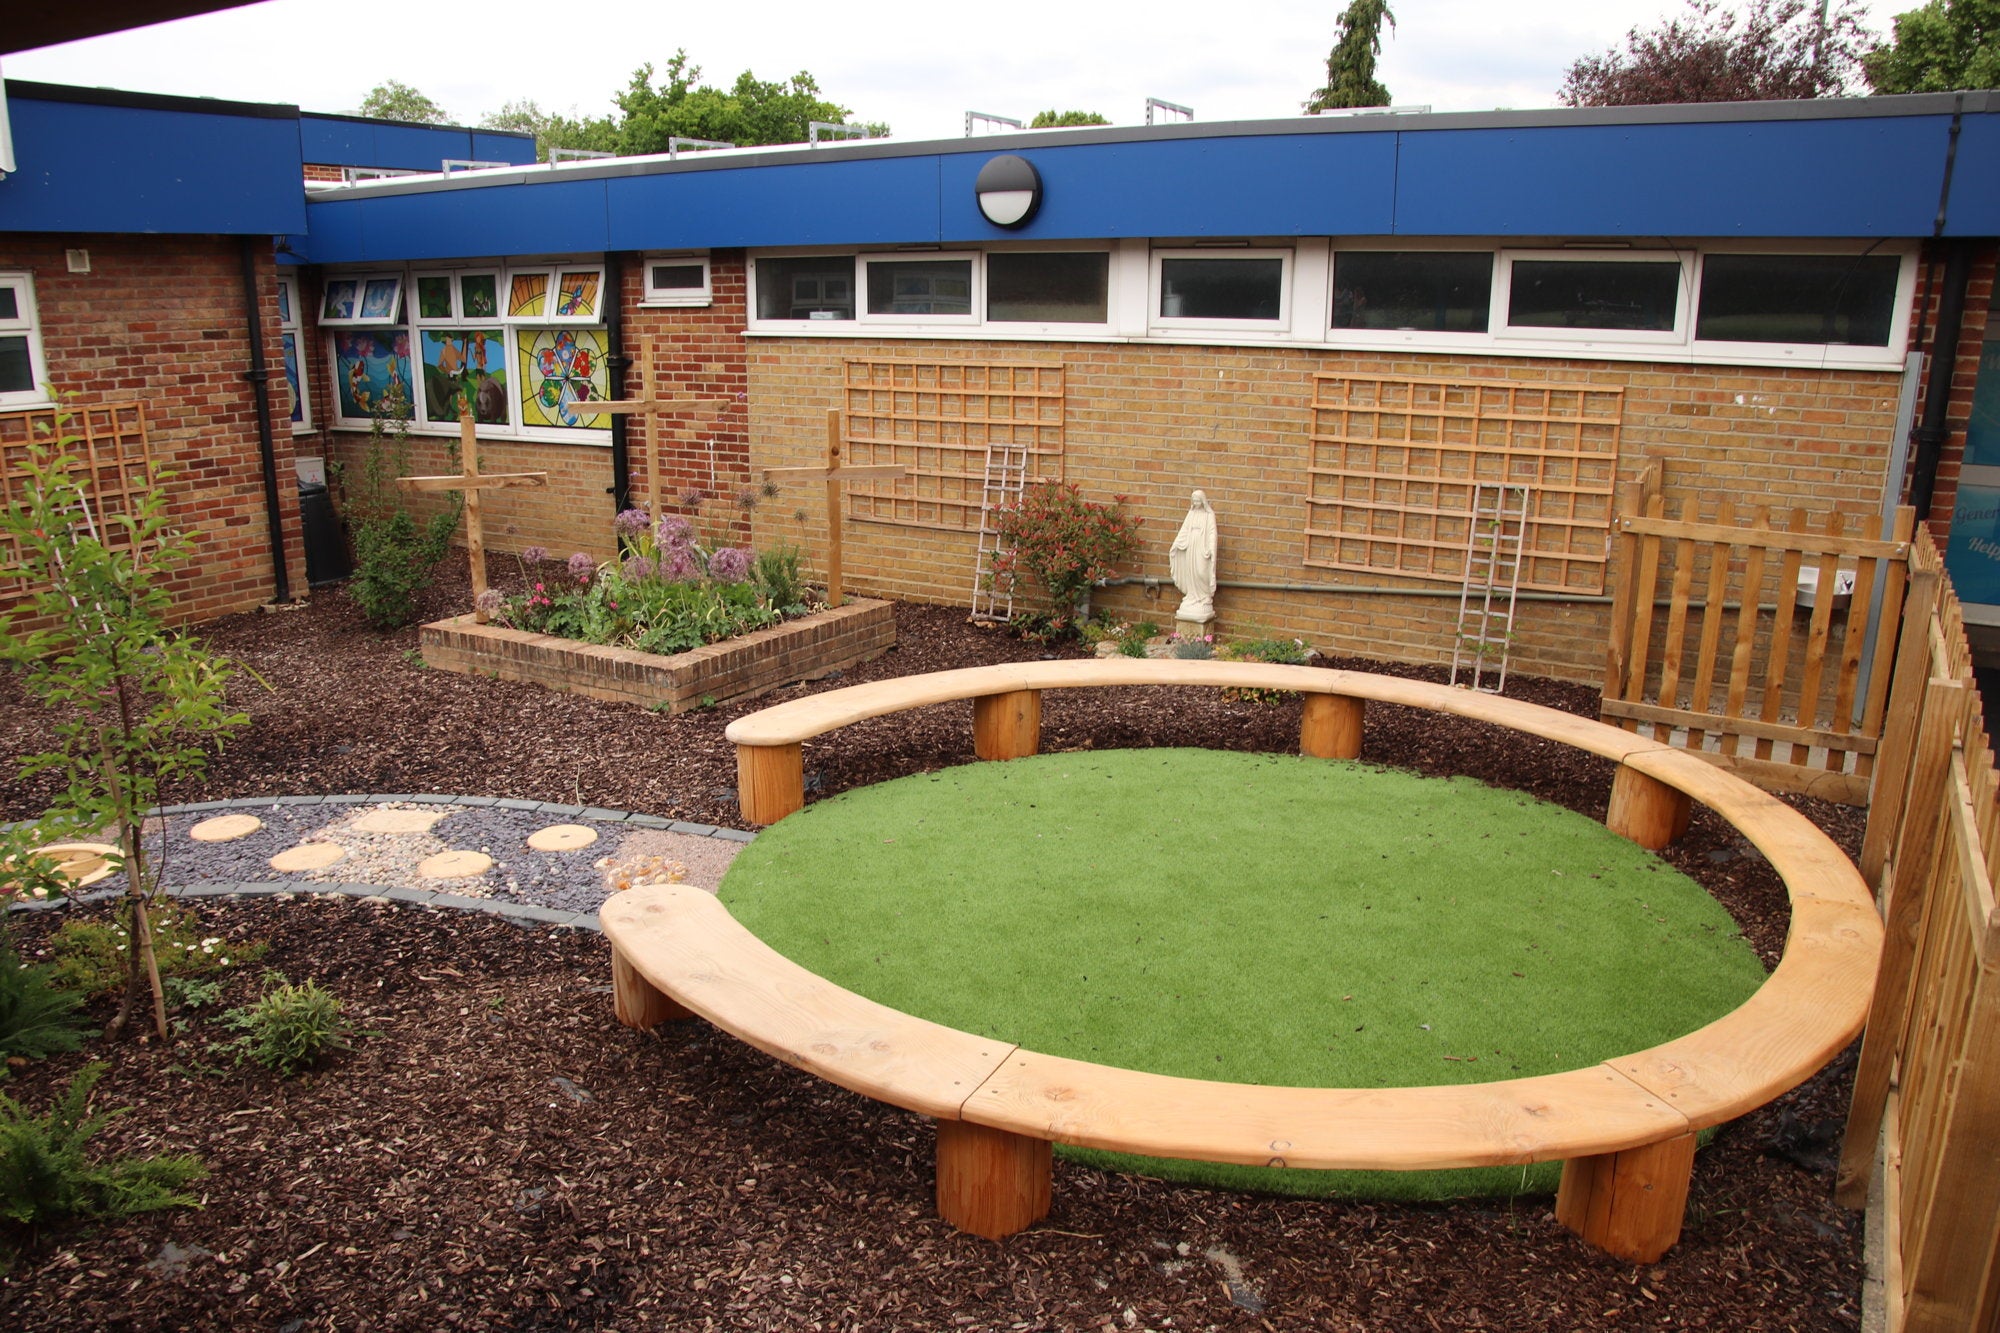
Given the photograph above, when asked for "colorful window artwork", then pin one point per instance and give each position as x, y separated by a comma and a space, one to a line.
469, 361
289, 336
561, 370
285, 302
478, 296
528, 295
371, 372
378, 298
576, 293
292, 379
434, 297
342, 295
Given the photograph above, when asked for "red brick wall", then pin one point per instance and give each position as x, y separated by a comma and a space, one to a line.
162, 319
1972, 334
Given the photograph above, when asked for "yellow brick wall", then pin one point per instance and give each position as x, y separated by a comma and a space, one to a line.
1153, 422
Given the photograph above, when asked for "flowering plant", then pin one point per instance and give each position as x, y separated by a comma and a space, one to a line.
1062, 544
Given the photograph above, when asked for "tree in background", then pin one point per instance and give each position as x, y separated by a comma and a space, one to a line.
1774, 49
391, 100
553, 130
1350, 66
1051, 119
1943, 46
751, 112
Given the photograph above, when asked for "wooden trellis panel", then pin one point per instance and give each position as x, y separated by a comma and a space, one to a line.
117, 454
1395, 458
1715, 645
936, 418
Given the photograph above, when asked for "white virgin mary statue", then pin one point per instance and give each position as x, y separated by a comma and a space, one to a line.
1192, 559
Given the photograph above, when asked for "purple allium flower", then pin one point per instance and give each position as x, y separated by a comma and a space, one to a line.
632, 520
638, 567
678, 566
746, 499
490, 602
581, 567
731, 564
534, 555
675, 532
694, 499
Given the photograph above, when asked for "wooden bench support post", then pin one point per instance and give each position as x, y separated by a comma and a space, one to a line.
1331, 727
989, 1182
1007, 726
1629, 1204
1646, 810
770, 781
637, 1002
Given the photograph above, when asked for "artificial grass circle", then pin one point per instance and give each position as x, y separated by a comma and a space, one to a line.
1250, 918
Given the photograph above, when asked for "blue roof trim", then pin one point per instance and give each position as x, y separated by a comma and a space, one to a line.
1782, 177
352, 141
107, 167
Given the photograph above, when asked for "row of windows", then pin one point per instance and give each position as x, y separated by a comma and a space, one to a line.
21, 370
1749, 304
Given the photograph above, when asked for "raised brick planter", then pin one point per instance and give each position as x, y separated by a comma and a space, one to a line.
740, 668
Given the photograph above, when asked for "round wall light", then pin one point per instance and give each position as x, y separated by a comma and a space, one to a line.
1009, 191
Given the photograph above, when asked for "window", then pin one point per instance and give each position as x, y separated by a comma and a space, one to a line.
295, 371
817, 287
678, 280
23, 375
1434, 291
1048, 287
514, 344
1587, 296
355, 300
931, 288
1847, 300
1203, 287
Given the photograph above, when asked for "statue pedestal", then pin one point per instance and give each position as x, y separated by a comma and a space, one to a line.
1194, 629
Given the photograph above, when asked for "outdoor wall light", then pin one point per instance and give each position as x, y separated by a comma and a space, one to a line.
1009, 190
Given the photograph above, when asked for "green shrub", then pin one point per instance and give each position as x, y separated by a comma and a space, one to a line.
1194, 648
90, 955
45, 1176
290, 1027
395, 555
1287, 652
37, 1017
777, 574
1063, 544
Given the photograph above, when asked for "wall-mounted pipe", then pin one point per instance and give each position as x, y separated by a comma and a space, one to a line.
1931, 431
620, 489
1154, 586
259, 376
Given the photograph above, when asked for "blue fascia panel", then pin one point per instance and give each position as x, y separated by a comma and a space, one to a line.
1975, 180
336, 141
565, 218
514, 149
868, 201
417, 147
1875, 177
96, 168
1277, 185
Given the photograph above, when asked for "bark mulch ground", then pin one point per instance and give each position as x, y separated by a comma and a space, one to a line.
498, 1153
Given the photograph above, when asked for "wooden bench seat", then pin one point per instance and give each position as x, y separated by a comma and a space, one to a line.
1624, 1128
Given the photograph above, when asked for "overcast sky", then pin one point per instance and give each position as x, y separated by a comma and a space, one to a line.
917, 64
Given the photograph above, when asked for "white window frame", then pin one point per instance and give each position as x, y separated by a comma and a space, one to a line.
1503, 286
1459, 340
357, 320
1270, 328
26, 323
975, 278
1828, 356
553, 272
849, 325
1067, 328
512, 330
679, 296
291, 322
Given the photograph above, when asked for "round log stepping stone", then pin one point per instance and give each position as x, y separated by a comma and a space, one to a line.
398, 821
81, 863
225, 828
308, 856
562, 837
454, 865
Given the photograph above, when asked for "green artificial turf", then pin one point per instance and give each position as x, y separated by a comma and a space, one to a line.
1250, 918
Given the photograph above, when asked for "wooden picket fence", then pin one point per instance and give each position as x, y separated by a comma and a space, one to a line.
1930, 1060
1709, 650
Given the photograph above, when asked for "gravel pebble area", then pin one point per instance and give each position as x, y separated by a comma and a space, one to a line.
625, 853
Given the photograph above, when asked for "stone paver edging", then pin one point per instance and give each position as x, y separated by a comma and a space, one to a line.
524, 914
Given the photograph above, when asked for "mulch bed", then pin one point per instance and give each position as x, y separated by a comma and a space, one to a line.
499, 1153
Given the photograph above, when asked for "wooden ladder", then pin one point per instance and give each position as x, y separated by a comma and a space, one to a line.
1006, 477
1494, 536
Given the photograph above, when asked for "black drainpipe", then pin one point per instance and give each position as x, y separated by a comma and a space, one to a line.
1930, 432
259, 376
614, 334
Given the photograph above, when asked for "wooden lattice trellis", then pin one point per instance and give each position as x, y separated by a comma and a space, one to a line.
1395, 458
937, 418
117, 453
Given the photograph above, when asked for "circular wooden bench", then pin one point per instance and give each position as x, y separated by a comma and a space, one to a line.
1625, 1129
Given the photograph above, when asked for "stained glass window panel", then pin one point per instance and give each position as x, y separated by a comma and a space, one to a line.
291, 341
341, 296
434, 298
478, 296
470, 360
562, 371
528, 295
371, 372
576, 293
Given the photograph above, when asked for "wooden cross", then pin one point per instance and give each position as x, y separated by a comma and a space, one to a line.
472, 481
833, 474
706, 410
